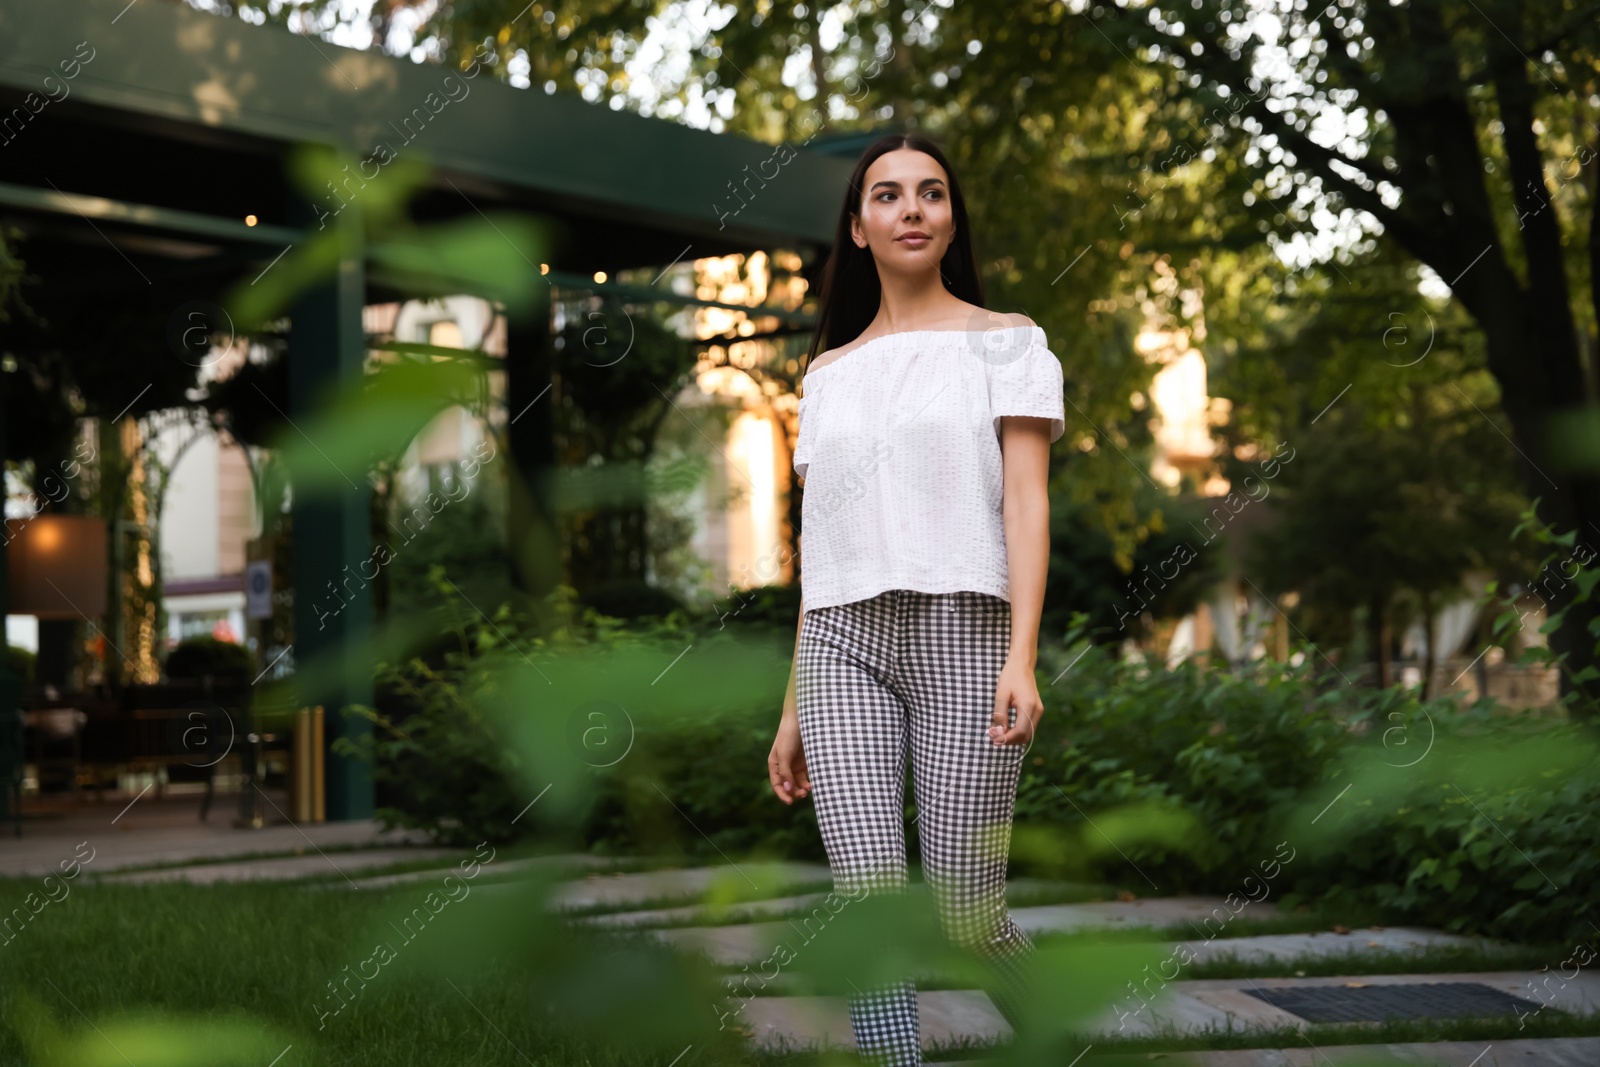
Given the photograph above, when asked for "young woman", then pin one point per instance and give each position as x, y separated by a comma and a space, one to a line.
925, 433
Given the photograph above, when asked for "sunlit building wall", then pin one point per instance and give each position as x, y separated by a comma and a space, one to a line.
742, 524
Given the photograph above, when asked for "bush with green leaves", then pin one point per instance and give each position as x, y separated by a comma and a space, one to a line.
674, 778
21, 663
1219, 753
1475, 818
1156, 780
196, 657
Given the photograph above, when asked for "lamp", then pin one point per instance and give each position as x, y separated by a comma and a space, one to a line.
56, 566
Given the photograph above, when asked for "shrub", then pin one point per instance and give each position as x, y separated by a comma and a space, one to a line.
1189, 778
1228, 750
1519, 864
1481, 820
196, 657
21, 663
692, 782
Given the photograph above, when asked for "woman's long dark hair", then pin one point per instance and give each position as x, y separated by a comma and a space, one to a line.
851, 291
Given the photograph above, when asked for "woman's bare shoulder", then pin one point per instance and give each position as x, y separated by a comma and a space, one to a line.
973, 317
980, 319
1015, 319
825, 358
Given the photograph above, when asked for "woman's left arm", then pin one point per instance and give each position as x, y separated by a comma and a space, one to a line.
1025, 506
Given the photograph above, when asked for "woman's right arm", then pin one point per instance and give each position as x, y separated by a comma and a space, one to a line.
790, 703
786, 766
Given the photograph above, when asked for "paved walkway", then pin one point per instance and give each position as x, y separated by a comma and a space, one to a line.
747, 932
1548, 1052
143, 832
735, 909
691, 883
318, 864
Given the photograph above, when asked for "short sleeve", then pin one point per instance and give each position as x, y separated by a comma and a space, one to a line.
1028, 384
802, 444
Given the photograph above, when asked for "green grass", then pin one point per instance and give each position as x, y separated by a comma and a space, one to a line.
199, 952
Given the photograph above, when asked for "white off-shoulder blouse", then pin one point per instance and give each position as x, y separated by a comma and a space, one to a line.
899, 446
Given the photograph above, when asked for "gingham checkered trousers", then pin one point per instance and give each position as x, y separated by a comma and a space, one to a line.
911, 670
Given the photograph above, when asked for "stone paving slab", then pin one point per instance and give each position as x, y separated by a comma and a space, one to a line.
496, 868
794, 1024
1541, 1052
1367, 943
1226, 1003
757, 909
736, 945
1388, 940
733, 946
620, 889
1158, 911
743, 911
310, 865
1183, 1008
144, 832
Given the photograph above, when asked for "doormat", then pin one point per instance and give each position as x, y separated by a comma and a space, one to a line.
1375, 1003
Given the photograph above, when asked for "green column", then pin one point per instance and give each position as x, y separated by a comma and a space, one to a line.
11, 754
532, 534
331, 530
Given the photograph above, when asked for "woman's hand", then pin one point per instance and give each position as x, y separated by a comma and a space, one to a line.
1018, 689
786, 766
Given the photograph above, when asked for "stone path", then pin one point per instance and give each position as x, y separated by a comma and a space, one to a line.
144, 832
1547, 1052
752, 942
686, 914
313, 864
744, 880
792, 1024
1194, 912
1369, 943
729, 914
1183, 1008
1360, 945
1227, 1003
746, 932
492, 871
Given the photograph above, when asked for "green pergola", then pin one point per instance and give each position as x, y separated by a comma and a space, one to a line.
135, 139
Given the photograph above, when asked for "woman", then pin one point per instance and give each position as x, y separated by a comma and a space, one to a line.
925, 433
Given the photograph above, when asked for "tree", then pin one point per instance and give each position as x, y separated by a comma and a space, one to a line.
1399, 481
1462, 132
1064, 233
613, 395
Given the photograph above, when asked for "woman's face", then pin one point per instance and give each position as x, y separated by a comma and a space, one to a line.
906, 194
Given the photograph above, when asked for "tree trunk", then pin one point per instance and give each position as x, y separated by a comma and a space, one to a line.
1429, 657
1448, 220
1378, 637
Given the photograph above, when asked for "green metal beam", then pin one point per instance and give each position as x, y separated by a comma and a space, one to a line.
156, 63
99, 208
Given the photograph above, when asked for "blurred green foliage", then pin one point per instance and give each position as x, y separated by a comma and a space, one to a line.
1155, 780
1469, 817
196, 657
